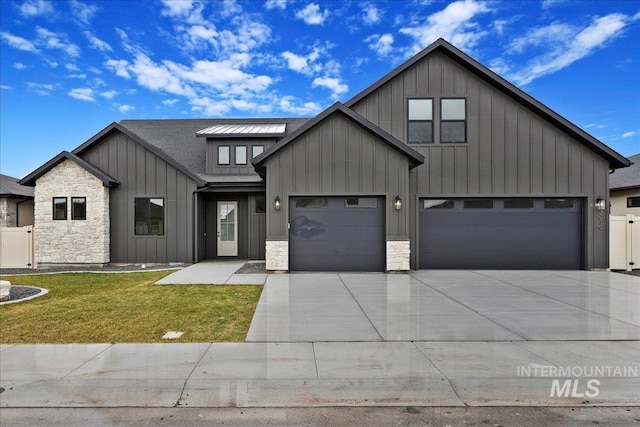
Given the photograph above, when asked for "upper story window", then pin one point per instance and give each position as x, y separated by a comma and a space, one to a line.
223, 155
420, 123
78, 208
59, 208
149, 216
241, 154
453, 120
256, 150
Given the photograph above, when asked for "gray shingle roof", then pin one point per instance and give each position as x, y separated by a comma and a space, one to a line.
9, 187
177, 137
626, 177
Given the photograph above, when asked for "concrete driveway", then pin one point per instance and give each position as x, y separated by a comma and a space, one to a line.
439, 305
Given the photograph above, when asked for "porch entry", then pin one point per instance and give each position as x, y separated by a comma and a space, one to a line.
227, 226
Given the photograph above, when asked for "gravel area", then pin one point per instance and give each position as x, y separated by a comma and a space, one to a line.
108, 269
20, 292
253, 268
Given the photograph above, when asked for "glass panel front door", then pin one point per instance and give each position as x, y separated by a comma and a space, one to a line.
227, 228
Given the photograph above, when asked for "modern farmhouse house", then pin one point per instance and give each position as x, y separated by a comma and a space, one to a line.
439, 164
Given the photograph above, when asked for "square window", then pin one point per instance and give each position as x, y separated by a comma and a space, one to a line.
420, 109
241, 155
453, 109
149, 216
223, 155
78, 208
633, 202
256, 150
59, 208
420, 121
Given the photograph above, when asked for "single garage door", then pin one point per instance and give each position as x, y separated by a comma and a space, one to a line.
336, 234
518, 233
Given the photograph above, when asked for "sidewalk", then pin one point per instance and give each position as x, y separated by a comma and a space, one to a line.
313, 374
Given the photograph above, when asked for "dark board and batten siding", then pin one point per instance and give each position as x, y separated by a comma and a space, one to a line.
143, 174
511, 150
337, 157
233, 169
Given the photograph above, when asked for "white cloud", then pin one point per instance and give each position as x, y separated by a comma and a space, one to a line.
170, 101
247, 36
287, 105
109, 94
371, 14
96, 43
454, 23
5, 87
83, 94
35, 8
44, 89
124, 109
629, 134
547, 4
209, 107
381, 44
565, 44
77, 76
273, 4
19, 66
19, 43
57, 41
302, 64
83, 12
188, 10
312, 15
120, 67
157, 77
230, 8
331, 83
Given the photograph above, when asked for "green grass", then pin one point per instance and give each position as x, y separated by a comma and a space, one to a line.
126, 307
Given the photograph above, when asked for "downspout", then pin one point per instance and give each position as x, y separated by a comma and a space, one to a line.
195, 227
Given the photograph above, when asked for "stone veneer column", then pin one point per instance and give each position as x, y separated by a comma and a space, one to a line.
277, 255
398, 255
8, 213
71, 241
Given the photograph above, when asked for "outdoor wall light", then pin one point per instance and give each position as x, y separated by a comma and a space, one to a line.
397, 203
277, 203
600, 204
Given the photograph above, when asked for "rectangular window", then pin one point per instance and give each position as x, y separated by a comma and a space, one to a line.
78, 208
312, 203
149, 216
420, 121
361, 202
241, 155
261, 205
256, 150
518, 204
558, 204
437, 204
453, 120
59, 208
223, 155
633, 202
478, 204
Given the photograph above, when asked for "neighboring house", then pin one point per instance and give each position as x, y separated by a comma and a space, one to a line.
16, 203
439, 164
624, 189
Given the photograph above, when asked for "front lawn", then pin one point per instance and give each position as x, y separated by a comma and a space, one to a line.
126, 307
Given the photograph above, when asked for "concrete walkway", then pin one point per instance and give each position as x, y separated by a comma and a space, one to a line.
213, 272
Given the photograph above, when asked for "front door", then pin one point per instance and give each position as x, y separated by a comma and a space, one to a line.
227, 228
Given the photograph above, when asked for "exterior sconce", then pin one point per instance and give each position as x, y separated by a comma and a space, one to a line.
397, 203
277, 203
600, 204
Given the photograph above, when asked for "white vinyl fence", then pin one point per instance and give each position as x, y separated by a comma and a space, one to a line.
16, 247
624, 242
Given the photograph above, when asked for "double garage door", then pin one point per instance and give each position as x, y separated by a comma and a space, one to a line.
336, 234
505, 234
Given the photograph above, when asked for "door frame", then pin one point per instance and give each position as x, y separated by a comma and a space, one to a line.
227, 248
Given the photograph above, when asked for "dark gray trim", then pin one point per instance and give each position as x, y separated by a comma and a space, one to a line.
107, 180
117, 127
615, 159
414, 157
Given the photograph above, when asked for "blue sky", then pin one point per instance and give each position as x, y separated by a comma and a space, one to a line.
70, 68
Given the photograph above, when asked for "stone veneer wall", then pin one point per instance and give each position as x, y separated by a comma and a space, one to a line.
71, 241
398, 255
8, 213
277, 255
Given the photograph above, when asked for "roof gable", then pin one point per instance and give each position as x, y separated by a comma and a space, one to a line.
615, 159
107, 180
415, 158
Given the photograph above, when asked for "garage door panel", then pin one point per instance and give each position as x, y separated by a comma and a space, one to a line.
536, 238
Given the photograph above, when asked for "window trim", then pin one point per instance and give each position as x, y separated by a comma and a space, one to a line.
66, 208
73, 218
464, 121
630, 201
164, 217
228, 147
409, 121
235, 155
